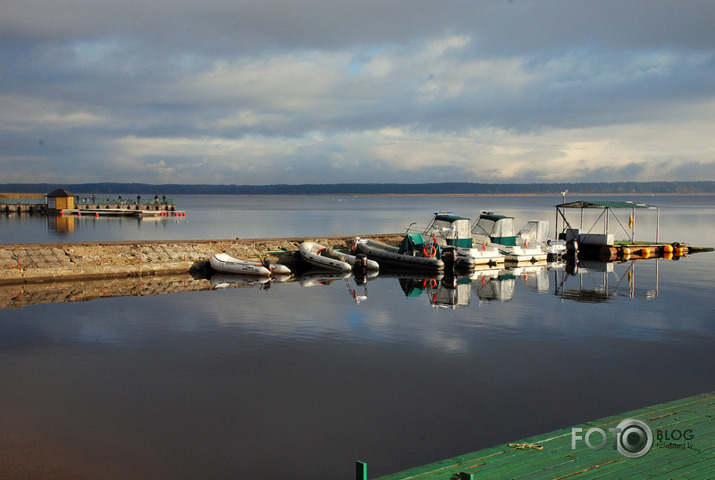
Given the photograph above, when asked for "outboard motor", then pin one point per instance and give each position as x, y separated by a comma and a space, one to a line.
449, 257
360, 267
572, 248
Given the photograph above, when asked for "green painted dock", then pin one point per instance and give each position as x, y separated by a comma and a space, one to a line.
683, 446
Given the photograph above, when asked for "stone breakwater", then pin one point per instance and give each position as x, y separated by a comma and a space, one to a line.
53, 262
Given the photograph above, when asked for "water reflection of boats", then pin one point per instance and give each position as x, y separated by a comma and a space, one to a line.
494, 285
597, 282
535, 277
224, 280
414, 287
452, 292
313, 278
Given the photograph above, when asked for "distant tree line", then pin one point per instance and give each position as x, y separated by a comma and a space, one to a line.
371, 188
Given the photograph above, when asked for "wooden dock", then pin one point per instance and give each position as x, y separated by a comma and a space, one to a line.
122, 212
642, 251
683, 446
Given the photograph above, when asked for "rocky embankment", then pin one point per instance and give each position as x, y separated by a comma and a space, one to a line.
45, 262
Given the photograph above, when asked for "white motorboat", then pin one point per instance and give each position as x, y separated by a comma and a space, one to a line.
498, 231
224, 263
536, 232
452, 230
315, 254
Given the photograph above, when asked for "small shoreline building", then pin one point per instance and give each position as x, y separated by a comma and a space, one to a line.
59, 200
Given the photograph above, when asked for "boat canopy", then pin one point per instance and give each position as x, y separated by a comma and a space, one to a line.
453, 229
608, 209
448, 217
499, 229
606, 204
535, 231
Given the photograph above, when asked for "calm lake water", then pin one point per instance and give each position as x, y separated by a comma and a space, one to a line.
299, 381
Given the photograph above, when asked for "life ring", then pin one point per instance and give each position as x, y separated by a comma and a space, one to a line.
429, 251
429, 283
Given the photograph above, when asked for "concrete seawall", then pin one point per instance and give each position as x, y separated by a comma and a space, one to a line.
57, 262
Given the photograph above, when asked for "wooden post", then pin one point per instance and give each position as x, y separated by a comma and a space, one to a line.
657, 226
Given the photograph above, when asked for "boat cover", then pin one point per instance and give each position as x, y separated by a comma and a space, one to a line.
499, 229
415, 242
535, 231
454, 229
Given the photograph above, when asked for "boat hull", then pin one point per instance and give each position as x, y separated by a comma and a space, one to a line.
523, 255
311, 253
224, 263
387, 255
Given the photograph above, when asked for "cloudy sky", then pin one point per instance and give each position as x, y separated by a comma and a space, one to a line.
324, 91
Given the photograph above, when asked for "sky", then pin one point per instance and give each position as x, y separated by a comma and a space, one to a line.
337, 91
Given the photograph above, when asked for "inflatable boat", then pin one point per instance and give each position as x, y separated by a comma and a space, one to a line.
412, 253
327, 258
224, 263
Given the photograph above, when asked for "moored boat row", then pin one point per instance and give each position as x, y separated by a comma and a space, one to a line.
451, 242
448, 242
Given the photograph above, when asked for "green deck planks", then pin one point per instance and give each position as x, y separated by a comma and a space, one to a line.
692, 458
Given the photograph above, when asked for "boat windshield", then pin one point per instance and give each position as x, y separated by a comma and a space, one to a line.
450, 230
497, 228
535, 231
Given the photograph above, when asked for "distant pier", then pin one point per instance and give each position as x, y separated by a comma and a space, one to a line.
60, 202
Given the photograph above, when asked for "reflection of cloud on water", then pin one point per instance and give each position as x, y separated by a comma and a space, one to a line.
291, 313
95, 332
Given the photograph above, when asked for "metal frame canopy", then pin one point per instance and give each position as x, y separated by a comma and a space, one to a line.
607, 207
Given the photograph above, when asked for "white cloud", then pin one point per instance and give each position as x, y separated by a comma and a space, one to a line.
485, 92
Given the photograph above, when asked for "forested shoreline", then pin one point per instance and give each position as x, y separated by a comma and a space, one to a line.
460, 188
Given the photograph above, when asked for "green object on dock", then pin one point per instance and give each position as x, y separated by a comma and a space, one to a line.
681, 443
360, 470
